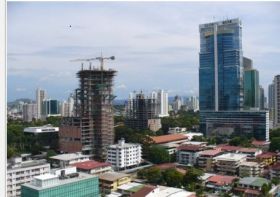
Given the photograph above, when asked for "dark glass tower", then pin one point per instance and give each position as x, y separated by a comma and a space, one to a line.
220, 70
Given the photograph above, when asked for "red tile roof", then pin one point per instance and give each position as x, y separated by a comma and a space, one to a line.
266, 155
168, 138
259, 143
189, 147
212, 152
165, 166
89, 165
221, 180
276, 166
228, 147
143, 191
248, 150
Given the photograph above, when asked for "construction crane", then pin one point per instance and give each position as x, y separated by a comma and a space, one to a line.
101, 60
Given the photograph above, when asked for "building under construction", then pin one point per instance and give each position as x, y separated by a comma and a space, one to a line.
141, 112
92, 130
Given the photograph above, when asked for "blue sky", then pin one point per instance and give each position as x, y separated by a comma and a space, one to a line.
156, 44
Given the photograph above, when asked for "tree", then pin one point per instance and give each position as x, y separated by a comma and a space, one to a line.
158, 154
192, 179
154, 175
172, 178
265, 189
274, 144
275, 181
50, 153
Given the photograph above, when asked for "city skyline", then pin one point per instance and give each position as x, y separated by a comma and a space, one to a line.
161, 46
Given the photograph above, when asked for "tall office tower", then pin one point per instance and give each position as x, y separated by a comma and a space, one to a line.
93, 126
220, 69
277, 101
40, 96
251, 85
50, 107
271, 101
261, 98
162, 99
29, 112
141, 112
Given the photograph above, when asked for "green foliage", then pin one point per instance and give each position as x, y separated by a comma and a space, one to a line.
18, 142
192, 175
184, 119
240, 141
172, 178
274, 133
275, 181
153, 175
157, 154
274, 144
265, 189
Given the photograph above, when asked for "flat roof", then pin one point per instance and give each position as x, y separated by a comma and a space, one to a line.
231, 156
113, 176
69, 156
249, 163
132, 187
212, 152
46, 177
91, 164
28, 164
59, 182
253, 181
42, 129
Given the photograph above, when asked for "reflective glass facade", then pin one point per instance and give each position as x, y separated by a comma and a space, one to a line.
235, 123
81, 188
220, 70
251, 89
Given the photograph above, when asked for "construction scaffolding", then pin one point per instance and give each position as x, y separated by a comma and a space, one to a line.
92, 128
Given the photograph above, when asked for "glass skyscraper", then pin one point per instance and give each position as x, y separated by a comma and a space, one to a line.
220, 70
251, 89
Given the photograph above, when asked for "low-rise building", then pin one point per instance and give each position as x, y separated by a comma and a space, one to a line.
124, 155
251, 153
110, 181
20, 172
162, 139
251, 186
130, 188
264, 145
187, 154
267, 158
93, 167
248, 169
67, 183
274, 171
205, 159
229, 163
64, 160
162, 191
220, 183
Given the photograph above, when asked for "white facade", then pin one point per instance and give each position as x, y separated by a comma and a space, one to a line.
194, 103
124, 155
40, 96
249, 169
29, 112
162, 98
67, 107
42, 129
23, 172
64, 160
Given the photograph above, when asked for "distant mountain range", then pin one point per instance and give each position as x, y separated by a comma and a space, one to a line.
17, 101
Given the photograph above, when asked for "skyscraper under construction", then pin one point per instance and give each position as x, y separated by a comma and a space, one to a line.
92, 130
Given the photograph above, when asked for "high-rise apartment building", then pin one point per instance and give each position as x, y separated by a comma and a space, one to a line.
141, 112
92, 131
29, 112
177, 103
162, 99
251, 85
40, 96
271, 100
194, 103
277, 101
220, 70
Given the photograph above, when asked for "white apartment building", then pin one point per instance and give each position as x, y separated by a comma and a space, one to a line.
188, 154
124, 155
162, 98
20, 172
229, 163
29, 111
249, 169
40, 96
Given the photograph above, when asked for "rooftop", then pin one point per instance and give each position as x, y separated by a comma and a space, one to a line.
28, 164
43, 129
253, 181
189, 147
131, 187
144, 191
228, 148
46, 177
231, 157
70, 156
221, 180
212, 152
266, 155
249, 150
113, 176
276, 166
168, 138
260, 143
89, 165
249, 163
